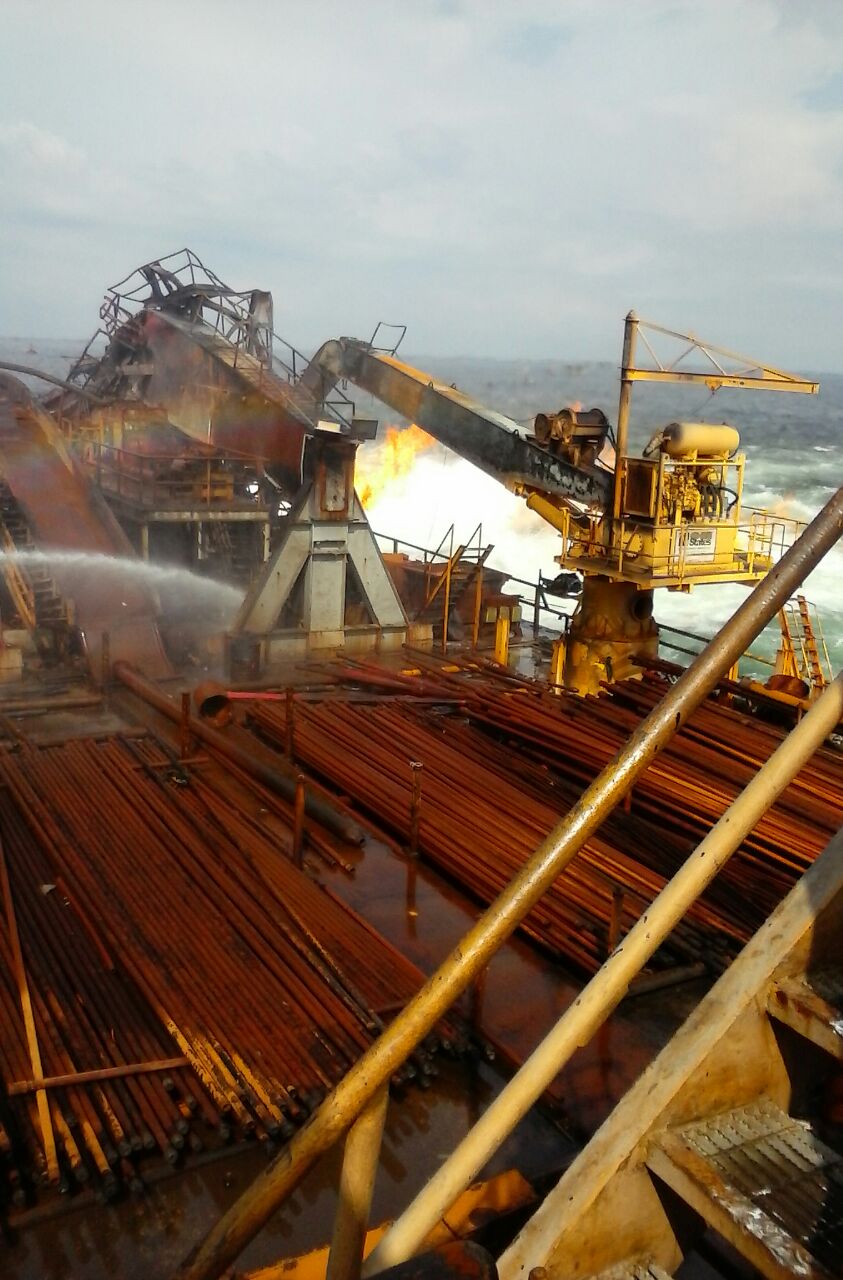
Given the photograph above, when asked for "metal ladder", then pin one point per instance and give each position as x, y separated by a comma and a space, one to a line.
30, 584
803, 649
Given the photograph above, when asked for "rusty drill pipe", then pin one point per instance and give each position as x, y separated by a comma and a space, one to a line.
281, 783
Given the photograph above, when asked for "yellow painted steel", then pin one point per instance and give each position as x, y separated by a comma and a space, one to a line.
357, 1181
502, 639
713, 381
613, 625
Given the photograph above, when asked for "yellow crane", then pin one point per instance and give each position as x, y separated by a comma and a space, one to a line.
672, 518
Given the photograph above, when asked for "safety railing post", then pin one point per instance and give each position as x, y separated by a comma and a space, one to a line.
446, 609
357, 1182
478, 605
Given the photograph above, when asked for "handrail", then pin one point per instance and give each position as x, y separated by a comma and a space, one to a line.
609, 985
347, 1099
211, 454
19, 586
537, 597
205, 480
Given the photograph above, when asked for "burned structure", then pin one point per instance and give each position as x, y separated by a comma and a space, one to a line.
218, 446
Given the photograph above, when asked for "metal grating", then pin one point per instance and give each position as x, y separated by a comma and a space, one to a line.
793, 1181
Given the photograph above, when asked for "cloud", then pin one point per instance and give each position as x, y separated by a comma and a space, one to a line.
501, 179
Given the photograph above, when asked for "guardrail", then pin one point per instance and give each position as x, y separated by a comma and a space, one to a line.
355, 1106
168, 480
534, 600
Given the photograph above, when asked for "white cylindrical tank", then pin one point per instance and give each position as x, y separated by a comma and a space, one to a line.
681, 439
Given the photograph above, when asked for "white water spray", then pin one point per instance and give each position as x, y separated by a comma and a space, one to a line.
193, 590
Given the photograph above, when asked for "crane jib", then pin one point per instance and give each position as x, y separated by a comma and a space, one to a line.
487, 439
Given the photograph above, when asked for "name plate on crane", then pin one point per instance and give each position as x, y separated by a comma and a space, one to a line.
694, 544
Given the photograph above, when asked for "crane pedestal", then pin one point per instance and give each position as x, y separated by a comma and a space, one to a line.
613, 622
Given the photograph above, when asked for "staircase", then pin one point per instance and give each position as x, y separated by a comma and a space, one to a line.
294, 399
246, 548
458, 576
48, 502
809, 644
233, 548
732, 1130
801, 643
29, 582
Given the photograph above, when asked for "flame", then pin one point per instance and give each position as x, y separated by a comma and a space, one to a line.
394, 458
576, 406
783, 507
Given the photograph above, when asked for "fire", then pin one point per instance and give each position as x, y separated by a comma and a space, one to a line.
576, 406
394, 458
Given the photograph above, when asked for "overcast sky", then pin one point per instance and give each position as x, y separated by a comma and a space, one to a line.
505, 178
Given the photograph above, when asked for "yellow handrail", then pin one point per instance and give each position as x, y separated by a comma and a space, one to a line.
601, 995
346, 1101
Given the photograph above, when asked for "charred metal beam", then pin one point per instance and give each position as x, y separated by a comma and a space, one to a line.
30, 372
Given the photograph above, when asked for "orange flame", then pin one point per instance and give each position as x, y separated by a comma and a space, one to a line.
392, 460
576, 406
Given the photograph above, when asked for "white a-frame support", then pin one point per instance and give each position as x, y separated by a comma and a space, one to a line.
326, 585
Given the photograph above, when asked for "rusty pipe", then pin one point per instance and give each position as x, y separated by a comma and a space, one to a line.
282, 783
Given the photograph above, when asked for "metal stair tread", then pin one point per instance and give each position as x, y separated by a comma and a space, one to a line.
765, 1182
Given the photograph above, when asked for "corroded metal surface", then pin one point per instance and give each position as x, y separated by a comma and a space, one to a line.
66, 514
173, 951
552, 856
488, 439
485, 805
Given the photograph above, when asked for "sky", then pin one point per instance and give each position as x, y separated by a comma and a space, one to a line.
505, 178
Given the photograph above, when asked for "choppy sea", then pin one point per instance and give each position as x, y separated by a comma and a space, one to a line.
793, 445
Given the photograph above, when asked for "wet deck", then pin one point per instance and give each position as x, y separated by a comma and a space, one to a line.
523, 995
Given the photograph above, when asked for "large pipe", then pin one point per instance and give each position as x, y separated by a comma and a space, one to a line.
344, 1103
30, 372
607, 988
282, 783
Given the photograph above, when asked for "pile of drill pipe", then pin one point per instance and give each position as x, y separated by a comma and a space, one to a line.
477, 822
686, 789
697, 775
160, 922
498, 776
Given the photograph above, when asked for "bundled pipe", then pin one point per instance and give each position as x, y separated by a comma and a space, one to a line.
499, 775
189, 984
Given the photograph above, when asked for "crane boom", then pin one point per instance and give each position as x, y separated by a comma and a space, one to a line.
488, 439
